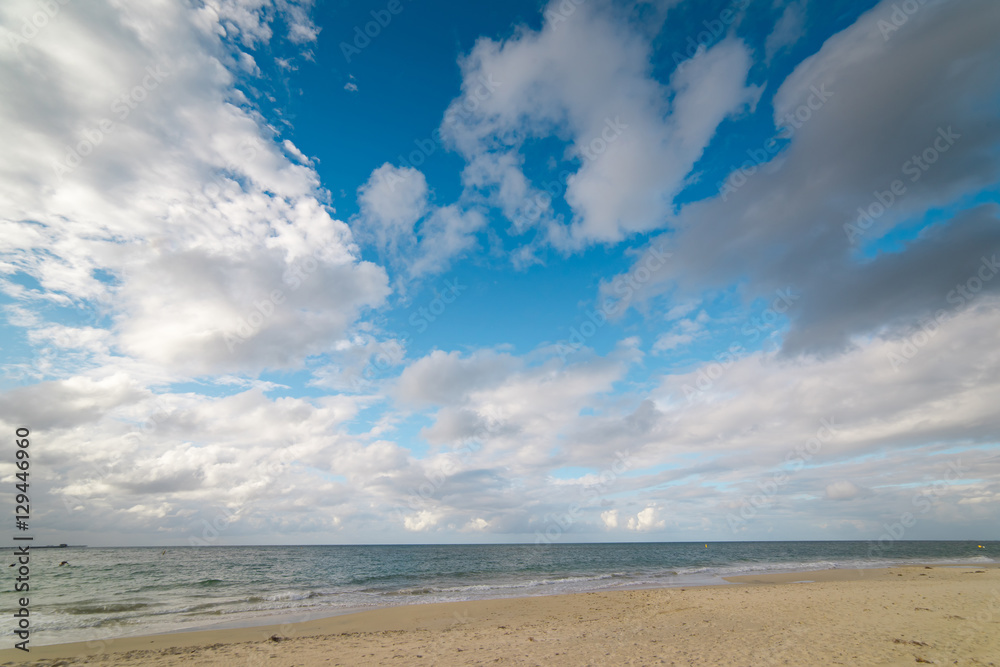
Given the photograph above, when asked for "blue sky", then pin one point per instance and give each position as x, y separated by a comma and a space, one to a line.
412, 271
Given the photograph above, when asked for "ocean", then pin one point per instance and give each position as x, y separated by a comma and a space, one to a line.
105, 593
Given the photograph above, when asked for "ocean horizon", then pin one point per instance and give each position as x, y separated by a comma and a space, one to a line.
110, 592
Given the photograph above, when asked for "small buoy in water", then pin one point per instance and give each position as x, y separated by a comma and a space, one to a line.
706, 546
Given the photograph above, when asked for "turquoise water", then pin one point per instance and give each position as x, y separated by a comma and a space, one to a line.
114, 592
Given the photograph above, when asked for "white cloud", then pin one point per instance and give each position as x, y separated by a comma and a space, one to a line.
684, 331
680, 310
586, 81
258, 459
478, 523
610, 519
446, 233
199, 224
667, 342
788, 30
294, 151
90, 339
424, 520
248, 64
443, 377
393, 201
646, 520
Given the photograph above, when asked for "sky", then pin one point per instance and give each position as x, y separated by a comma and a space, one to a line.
415, 271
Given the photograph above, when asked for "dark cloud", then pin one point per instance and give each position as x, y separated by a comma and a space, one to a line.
939, 273
932, 87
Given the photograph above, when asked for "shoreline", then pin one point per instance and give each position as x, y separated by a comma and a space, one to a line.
933, 611
711, 578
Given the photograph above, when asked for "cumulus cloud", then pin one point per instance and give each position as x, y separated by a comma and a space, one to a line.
478, 523
392, 202
294, 151
646, 520
423, 520
630, 141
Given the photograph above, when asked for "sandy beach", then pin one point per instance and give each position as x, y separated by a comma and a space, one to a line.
897, 616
